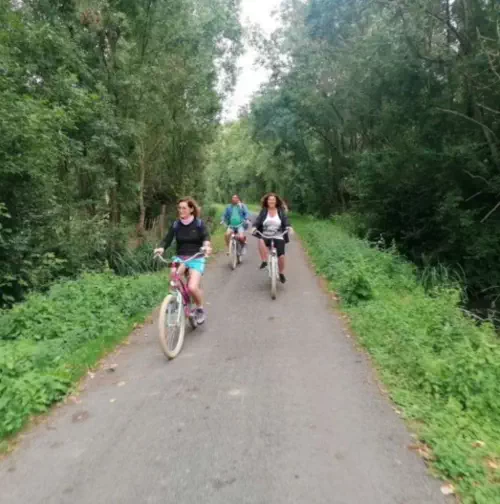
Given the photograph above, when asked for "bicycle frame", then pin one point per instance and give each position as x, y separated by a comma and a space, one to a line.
235, 237
273, 267
178, 285
182, 290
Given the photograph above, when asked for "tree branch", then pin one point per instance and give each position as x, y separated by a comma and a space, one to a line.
488, 108
459, 114
473, 196
477, 177
490, 212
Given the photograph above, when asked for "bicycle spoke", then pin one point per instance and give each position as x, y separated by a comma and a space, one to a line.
173, 324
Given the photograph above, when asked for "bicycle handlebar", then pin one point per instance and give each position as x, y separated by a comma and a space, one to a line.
184, 261
279, 236
224, 223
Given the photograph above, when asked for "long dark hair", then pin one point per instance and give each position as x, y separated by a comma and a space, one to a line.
279, 201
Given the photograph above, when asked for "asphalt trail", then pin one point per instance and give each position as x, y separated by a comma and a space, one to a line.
268, 403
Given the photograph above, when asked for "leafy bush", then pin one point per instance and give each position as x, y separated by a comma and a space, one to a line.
443, 369
50, 340
212, 216
135, 261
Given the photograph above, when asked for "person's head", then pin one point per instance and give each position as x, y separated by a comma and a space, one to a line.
187, 207
271, 200
235, 199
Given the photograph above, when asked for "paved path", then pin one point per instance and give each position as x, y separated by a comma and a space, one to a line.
269, 403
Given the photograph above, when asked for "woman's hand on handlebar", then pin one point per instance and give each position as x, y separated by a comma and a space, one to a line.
159, 251
207, 249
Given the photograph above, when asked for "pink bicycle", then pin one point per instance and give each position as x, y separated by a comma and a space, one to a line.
177, 307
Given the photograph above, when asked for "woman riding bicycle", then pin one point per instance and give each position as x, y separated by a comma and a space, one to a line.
191, 235
272, 220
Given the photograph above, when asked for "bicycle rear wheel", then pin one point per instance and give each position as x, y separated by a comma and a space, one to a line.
273, 269
234, 254
192, 319
172, 326
239, 251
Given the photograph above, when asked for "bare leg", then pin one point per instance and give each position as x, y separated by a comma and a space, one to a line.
263, 251
180, 270
243, 242
281, 264
194, 287
227, 237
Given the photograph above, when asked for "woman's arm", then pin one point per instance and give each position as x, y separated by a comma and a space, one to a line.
205, 236
285, 221
245, 212
169, 238
286, 225
166, 242
259, 221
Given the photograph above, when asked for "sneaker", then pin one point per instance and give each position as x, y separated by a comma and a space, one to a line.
200, 316
282, 278
263, 265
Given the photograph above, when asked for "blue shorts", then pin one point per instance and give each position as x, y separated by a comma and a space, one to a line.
239, 229
197, 264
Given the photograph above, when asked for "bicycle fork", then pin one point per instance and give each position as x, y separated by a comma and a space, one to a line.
183, 305
272, 264
174, 318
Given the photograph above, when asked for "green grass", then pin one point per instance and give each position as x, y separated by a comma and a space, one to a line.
254, 207
217, 231
48, 342
441, 368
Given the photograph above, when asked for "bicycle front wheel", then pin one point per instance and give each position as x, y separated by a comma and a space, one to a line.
273, 271
172, 326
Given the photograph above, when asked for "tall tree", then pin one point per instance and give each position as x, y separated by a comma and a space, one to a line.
106, 111
390, 110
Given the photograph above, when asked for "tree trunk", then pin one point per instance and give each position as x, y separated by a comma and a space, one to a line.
163, 217
142, 207
115, 206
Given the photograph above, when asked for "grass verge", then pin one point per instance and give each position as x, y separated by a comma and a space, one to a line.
48, 342
440, 367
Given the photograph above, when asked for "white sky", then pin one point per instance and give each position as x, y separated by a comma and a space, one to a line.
250, 76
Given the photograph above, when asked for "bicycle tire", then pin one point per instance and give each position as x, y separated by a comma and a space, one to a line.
192, 320
234, 254
239, 250
274, 266
164, 333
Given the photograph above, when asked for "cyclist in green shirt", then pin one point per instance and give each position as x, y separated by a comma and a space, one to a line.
235, 218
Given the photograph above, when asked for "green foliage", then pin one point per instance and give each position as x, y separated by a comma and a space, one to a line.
237, 165
50, 340
106, 112
136, 261
442, 368
211, 216
388, 110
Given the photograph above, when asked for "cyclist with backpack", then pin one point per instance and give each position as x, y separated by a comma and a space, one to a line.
190, 234
236, 218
